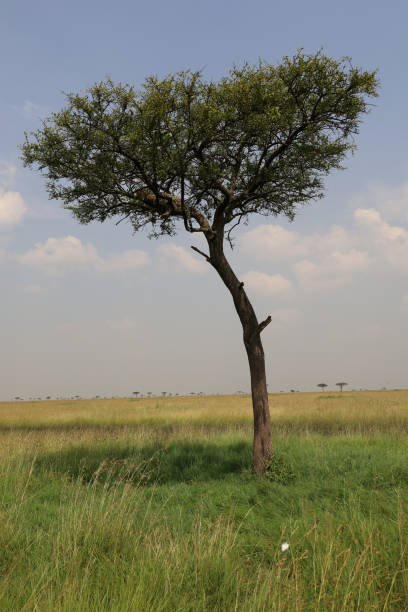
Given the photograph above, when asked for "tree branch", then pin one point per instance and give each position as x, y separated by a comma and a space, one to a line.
257, 181
260, 328
199, 155
123, 218
230, 230
201, 253
263, 324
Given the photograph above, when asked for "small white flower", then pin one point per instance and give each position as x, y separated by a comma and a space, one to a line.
284, 546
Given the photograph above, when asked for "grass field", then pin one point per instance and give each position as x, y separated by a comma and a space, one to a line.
150, 504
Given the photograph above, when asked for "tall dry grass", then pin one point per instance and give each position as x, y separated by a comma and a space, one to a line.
325, 412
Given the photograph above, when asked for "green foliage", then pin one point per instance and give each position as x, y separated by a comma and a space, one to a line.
180, 149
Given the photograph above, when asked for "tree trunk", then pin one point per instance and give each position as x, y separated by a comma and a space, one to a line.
262, 447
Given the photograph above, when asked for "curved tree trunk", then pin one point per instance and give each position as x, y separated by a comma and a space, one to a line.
252, 340
262, 420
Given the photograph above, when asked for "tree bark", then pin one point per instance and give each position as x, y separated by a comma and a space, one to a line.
262, 447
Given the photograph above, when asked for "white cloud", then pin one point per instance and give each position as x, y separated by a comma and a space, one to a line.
12, 208
57, 255
182, 258
392, 202
7, 174
274, 242
389, 242
266, 284
335, 270
332, 259
370, 220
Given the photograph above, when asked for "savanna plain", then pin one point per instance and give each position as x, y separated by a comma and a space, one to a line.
150, 504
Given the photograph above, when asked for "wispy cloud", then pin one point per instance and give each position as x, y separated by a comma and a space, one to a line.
391, 202
389, 243
271, 242
31, 110
178, 258
8, 173
266, 284
335, 270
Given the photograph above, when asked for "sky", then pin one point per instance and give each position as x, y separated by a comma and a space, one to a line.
96, 310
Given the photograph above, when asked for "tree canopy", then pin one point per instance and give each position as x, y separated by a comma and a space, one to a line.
182, 149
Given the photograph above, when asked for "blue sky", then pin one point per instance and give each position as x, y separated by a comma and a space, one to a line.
95, 310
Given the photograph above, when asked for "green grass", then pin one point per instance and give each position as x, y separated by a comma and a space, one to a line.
124, 519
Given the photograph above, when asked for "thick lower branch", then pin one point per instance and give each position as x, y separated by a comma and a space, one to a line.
168, 205
201, 253
263, 324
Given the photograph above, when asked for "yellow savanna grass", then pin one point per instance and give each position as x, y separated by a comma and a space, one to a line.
365, 407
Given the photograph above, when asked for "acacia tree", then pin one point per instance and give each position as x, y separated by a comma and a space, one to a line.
322, 386
207, 155
341, 385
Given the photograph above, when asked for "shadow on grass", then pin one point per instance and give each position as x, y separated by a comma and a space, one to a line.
172, 463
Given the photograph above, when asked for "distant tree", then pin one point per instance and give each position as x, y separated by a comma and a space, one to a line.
135, 393
164, 393
322, 386
292, 390
341, 385
207, 155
